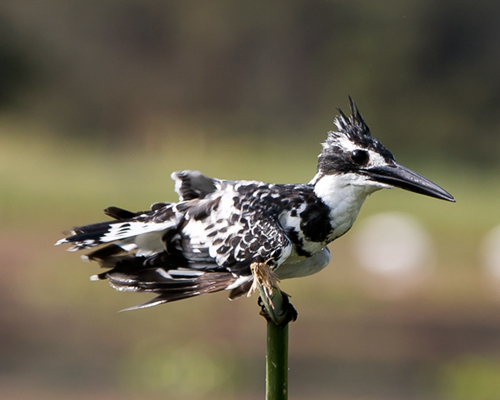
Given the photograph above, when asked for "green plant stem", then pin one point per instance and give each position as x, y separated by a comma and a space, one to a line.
277, 361
278, 312
273, 309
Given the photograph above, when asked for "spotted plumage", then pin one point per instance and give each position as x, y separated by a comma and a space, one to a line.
209, 240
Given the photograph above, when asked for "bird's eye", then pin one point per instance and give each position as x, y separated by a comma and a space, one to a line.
360, 157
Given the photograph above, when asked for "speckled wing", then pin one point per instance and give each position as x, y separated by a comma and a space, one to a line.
207, 253
224, 229
180, 250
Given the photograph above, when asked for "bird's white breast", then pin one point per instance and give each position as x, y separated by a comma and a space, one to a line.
296, 266
344, 194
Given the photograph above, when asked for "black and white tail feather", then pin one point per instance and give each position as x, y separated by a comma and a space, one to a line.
209, 240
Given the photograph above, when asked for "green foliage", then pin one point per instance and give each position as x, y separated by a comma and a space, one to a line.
181, 372
114, 71
471, 378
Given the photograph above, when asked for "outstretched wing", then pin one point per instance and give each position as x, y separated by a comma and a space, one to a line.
182, 250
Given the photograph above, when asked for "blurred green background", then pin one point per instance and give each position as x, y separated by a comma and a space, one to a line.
101, 100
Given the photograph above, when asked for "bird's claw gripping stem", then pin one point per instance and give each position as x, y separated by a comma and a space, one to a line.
274, 303
280, 315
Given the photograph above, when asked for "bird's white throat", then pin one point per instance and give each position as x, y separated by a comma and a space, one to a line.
344, 194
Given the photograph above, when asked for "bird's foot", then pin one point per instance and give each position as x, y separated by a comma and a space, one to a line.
274, 303
281, 316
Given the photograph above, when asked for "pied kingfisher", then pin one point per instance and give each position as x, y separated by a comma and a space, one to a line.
210, 239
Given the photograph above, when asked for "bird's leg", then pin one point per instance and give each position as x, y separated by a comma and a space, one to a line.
274, 303
286, 314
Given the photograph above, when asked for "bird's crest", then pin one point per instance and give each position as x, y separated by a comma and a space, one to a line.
352, 134
354, 128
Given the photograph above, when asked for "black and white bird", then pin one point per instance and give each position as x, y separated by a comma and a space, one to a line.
209, 240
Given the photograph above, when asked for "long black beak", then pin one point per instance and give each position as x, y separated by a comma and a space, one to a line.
401, 177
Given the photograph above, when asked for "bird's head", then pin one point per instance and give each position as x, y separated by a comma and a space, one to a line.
351, 151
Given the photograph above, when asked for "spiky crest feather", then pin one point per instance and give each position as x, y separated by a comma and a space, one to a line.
351, 133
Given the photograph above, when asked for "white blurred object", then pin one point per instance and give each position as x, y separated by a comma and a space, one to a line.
490, 251
396, 249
